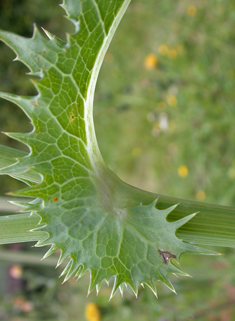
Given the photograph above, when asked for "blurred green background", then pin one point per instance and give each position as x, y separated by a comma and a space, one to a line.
164, 117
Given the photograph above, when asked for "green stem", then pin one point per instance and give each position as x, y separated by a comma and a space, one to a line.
21, 257
16, 228
213, 225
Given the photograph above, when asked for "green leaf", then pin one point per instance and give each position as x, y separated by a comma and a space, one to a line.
9, 157
102, 224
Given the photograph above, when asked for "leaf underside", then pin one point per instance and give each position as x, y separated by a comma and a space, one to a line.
102, 224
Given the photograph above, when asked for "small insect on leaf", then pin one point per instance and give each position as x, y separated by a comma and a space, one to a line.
166, 255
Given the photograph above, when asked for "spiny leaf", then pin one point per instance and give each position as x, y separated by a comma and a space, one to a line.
102, 224
8, 161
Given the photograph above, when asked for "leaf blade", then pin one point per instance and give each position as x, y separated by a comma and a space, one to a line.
102, 224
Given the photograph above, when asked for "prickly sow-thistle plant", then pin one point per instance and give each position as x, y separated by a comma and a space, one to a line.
102, 224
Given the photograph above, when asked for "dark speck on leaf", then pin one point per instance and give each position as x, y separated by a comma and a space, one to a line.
166, 255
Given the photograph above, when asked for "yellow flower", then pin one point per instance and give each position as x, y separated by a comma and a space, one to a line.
156, 129
136, 151
192, 11
150, 61
92, 312
16, 271
171, 100
161, 105
201, 195
172, 53
183, 171
163, 50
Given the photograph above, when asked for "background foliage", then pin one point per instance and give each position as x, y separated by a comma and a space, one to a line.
190, 84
